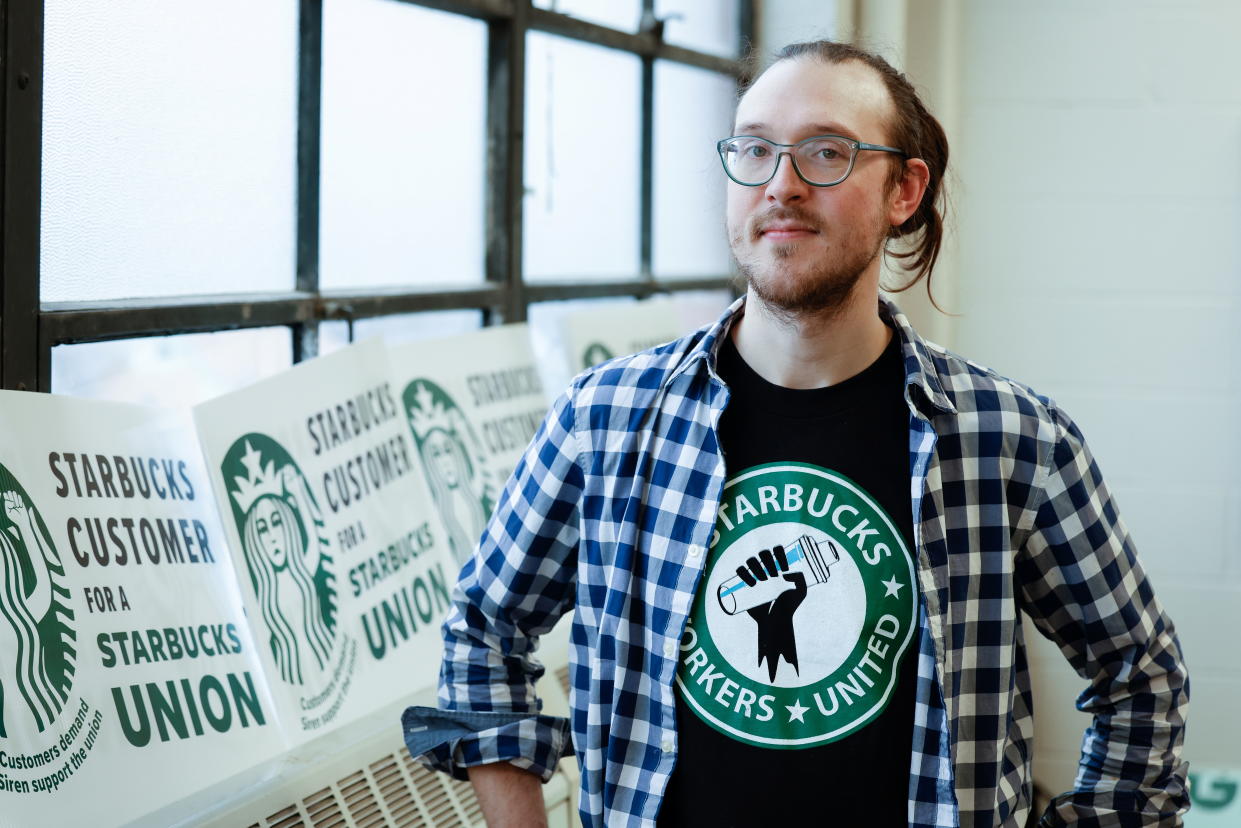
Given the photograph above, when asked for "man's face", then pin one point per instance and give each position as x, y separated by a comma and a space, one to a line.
803, 248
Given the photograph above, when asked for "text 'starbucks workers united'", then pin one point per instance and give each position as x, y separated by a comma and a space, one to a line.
803, 613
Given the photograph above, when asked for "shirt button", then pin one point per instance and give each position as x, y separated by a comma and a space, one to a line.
666, 744
670, 649
695, 551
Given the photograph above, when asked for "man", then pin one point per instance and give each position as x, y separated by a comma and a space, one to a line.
797, 541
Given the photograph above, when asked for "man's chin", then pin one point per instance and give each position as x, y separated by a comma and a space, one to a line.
796, 292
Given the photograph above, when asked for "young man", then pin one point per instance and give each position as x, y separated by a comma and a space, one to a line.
797, 542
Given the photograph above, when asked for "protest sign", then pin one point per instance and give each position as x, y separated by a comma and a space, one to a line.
128, 674
598, 334
472, 403
1216, 797
342, 559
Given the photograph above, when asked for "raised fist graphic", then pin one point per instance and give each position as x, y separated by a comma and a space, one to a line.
776, 638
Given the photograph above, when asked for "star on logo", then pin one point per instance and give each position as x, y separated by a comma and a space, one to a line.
260, 478
253, 461
796, 711
893, 587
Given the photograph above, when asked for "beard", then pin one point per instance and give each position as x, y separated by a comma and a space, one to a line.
821, 287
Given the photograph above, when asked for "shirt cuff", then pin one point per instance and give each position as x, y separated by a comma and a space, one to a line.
454, 740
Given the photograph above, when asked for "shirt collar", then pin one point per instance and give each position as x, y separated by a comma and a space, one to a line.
920, 371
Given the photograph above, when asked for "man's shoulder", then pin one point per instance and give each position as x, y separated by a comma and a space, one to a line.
984, 399
965, 395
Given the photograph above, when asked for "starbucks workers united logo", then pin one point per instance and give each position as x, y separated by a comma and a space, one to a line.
804, 612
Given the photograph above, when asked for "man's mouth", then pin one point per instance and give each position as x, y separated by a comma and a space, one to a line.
788, 227
781, 231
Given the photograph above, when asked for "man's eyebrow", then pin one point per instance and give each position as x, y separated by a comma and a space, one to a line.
828, 128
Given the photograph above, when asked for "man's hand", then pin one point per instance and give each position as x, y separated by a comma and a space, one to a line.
776, 638
510, 797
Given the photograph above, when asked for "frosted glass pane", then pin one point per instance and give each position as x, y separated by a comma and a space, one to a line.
401, 184
703, 25
582, 152
169, 147
170, 371
618, 14
693, 110
402, 327
696, 308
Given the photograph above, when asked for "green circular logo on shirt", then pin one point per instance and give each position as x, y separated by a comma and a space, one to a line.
805, 610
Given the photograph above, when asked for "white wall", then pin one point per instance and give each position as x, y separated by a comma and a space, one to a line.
781, 22
1096, 179
1100, 261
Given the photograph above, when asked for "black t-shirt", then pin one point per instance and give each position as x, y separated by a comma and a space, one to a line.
795, 691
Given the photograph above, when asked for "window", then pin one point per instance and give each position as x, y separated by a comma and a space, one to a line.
341, 165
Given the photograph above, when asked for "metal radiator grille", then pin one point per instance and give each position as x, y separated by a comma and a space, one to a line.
392, 791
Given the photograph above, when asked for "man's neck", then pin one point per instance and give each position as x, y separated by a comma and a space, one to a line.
811, 350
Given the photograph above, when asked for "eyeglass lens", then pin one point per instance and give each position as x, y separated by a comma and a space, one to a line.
820, 160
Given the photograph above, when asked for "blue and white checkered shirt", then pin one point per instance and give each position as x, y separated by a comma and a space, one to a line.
610, 513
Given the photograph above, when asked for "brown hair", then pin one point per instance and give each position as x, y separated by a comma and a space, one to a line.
914, 130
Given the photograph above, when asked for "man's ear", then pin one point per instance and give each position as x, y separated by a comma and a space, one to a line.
908, 192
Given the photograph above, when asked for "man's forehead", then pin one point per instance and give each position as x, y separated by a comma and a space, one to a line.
805, 94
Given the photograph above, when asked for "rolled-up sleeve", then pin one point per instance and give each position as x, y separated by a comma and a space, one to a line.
519, 582
1085, 590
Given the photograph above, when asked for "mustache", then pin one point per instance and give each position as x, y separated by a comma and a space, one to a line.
760, 223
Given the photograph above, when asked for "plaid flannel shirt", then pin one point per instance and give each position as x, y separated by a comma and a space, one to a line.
610, 513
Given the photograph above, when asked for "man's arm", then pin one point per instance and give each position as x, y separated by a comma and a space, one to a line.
519, 582
1083, 587
510, 797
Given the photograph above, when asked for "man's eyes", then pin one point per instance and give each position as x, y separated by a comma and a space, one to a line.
827, 152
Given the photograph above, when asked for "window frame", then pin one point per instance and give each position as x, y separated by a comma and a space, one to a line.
30, 329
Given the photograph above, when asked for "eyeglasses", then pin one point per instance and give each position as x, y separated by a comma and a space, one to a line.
820, 161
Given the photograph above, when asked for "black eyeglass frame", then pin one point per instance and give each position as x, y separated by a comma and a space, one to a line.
790, 151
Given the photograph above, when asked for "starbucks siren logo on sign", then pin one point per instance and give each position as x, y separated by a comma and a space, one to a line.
805, 610
455, 463
37, 655
287, 554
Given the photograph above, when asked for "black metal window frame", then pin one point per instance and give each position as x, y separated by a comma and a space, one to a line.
29, 329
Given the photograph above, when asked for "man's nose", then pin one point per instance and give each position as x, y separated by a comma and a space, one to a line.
786, 185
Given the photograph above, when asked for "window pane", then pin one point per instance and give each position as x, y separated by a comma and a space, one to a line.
693, 110
582, 151
169, 139
402, 327
618, 14
703, 25
170, 371
401, 192
696, 308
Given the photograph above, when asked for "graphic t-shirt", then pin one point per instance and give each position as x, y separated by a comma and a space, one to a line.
795, 690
